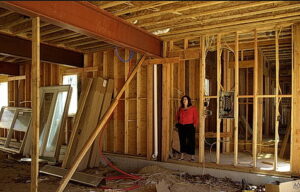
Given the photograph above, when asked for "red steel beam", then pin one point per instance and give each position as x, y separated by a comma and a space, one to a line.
88, 19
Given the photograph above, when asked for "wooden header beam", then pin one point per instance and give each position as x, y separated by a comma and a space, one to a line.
21, 48
88, 19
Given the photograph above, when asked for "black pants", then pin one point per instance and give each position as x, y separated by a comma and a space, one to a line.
187, 138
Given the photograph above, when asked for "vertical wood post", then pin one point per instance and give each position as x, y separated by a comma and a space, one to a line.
276, 100
255, 101
236, 100
219, 52
295, 121
201, 102
35, 84
165, 107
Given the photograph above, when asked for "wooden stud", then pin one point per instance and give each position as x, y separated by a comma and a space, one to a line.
96, 132
150, 90
105, 76
35, 92
255, 101
277, 115
165, 107
219, 54
127, 105
172, 109
236, 100
201, 102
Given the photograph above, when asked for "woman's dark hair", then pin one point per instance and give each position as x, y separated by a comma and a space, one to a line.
189, 101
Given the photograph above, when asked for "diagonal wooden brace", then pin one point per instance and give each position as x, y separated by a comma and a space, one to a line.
96, 132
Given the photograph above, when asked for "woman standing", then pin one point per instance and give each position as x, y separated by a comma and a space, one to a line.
187, 118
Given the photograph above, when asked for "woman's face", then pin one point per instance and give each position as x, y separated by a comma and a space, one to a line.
185, 101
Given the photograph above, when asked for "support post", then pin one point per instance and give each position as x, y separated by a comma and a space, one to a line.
295, 121
165, 107
35, 92
219, 53
201, 102
96, 132
276, 100
236, 100
255, 100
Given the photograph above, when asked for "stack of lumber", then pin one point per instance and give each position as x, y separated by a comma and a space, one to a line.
94, 100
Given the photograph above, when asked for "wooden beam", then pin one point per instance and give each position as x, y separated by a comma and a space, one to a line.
255, 100
101, 24
295, 132
219, 54
143, 7
80, 70
162, 61
35, 92
165, 107
277, 114
171, 10
21, 48
96, 132
13, 78
226, 18
127, 105
236, 99
150, 102
242, 64
111, 4
203, 13
201, 102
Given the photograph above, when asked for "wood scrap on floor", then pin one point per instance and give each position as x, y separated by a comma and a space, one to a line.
83, 178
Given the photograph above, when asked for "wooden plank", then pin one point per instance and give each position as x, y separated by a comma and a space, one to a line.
105, 75
75, 127
95, 133
91, 117
35, 92
80, 70
236, 100
162, 61
127, 104
83, 178
255, 101
95, 157
150, 90
260, 91
165, 107
171, 107
214, 135
295, 120
201, 102
243, 64
219, 53
277, 114
13, 78
139, 141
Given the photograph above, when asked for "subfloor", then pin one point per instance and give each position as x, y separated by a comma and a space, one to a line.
264, 161
15, 177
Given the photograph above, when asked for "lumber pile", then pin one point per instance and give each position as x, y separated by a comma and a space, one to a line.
94, 100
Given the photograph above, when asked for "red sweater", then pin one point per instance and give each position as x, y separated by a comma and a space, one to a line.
187, 116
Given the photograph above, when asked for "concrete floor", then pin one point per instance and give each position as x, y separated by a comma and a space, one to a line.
264, 161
